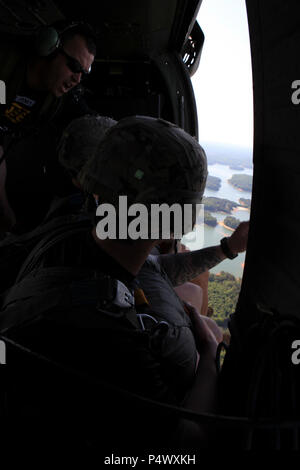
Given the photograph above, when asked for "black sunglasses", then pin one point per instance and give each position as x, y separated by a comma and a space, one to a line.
73, 64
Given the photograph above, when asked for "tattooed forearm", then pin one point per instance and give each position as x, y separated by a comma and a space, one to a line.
184, 267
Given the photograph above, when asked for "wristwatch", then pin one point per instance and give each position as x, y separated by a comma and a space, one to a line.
226, 250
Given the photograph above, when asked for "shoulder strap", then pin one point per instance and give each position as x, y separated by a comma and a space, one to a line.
40, 290
14, 249
66, 288
62, 232
44, 228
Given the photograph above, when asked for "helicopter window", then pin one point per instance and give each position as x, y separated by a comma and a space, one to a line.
223, 93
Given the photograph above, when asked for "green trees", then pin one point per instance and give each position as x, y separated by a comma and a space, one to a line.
245, 202
243, 182
223, 292
209, 219
216, 204
213, 182
231, 222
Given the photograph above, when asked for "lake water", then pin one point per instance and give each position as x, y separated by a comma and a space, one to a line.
213, 235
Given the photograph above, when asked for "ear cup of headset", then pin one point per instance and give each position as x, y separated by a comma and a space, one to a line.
47, 41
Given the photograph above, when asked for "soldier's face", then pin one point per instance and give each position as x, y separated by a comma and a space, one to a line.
64, 70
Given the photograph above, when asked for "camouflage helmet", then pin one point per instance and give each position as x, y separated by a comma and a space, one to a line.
150, 161
80, 140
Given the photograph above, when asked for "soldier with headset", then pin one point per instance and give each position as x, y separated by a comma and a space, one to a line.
38, 85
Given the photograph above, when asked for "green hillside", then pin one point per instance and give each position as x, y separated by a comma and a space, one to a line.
223, 292
243, 182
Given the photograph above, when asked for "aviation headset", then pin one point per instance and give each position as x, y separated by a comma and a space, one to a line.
48, 38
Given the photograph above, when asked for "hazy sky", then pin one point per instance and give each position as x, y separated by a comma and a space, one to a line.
223, 82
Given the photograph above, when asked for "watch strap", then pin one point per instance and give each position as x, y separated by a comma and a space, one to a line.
226, 250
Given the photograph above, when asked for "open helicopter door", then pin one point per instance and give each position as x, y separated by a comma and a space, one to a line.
260, 375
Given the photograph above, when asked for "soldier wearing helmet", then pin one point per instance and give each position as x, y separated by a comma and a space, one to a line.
78, 143
124, 337
154, 162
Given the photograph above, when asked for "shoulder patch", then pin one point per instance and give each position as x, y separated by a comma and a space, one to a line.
25, 100
16, 113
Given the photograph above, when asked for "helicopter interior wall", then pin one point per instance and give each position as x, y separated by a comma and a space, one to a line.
159, 88
119, 89
180, 91
135, 29
271, 276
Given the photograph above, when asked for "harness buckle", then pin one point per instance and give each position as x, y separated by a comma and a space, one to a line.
112, 292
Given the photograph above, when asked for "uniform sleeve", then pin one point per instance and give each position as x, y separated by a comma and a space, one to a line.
6, 127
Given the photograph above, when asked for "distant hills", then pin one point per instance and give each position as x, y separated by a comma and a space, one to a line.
228, 155
236, 168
